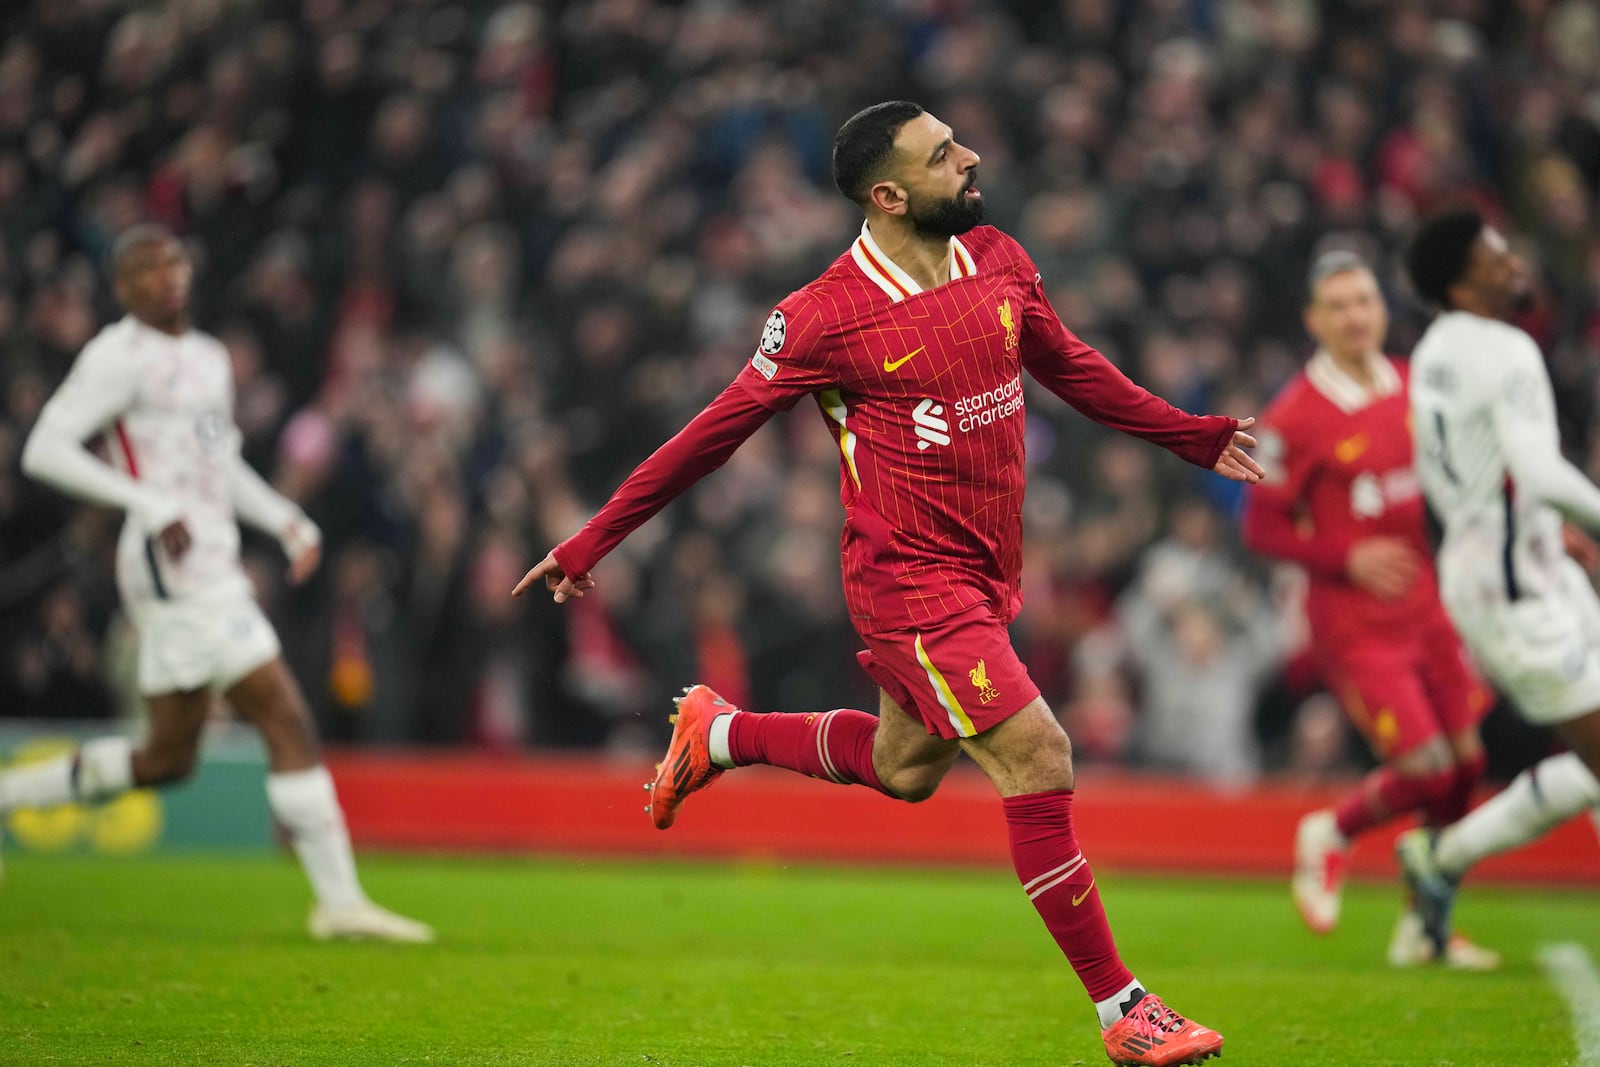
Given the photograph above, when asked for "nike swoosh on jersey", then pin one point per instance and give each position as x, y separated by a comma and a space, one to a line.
902, 361
1081, 897
1351, 448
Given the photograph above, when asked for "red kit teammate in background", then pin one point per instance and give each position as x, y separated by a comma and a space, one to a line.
913, 343
1344, 503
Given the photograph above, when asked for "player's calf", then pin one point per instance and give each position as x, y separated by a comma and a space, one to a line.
163, 766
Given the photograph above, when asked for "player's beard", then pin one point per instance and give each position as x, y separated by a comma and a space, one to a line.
948, 218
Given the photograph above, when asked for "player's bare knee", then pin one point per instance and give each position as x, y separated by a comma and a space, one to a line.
1027, 753
1466, 747
1053, 748
1428, 758
914, 785
1048, 772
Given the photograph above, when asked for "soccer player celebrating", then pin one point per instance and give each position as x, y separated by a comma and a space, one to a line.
913, 344
162, 392
1343, 503
1489, 458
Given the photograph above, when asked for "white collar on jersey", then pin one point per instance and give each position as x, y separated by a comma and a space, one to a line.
1345, 392
887, 275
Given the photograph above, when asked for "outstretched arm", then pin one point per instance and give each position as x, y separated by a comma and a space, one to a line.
697, 450
1080, 375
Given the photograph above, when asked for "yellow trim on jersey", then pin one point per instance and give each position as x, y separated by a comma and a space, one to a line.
834, 405
941, 689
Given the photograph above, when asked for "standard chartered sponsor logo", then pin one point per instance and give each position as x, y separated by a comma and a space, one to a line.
970, 412
1371, 494
982, 409
932, 429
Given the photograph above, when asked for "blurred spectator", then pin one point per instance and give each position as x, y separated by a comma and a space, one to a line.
1202, 642
475, 259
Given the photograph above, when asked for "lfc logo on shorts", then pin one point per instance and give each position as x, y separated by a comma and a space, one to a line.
1008, 323
980, 682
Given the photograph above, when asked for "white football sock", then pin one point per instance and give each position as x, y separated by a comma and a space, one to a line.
717, 743
37, 785
1537, 801
1113, 1008
305, 803
105, 767
100, 768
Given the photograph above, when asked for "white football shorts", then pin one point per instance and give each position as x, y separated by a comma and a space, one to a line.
1541, 650
201, 642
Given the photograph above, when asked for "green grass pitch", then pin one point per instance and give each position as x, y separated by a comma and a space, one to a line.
203, 960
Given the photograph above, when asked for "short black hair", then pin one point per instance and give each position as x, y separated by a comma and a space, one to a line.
1440, 251
864, 144
131, 239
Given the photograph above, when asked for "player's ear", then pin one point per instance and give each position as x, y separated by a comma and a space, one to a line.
888, 197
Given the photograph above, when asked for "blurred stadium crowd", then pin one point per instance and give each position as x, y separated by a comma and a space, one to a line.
474, 259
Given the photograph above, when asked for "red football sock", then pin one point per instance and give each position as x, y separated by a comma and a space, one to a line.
1455, 801
1385, 793
1058, 881
836, 745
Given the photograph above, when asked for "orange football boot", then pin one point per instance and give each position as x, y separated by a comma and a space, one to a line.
687, 766
1154, 1035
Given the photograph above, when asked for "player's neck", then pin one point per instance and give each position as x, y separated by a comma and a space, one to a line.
176, 326
1357, 366
1482, 309
926, 257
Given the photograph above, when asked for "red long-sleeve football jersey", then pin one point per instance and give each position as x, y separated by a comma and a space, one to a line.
922, 390
1339, 462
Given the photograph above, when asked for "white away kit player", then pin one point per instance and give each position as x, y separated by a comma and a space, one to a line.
162, 394
1489, 459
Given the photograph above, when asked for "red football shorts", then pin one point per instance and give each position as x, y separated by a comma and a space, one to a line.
1403, 693
960, 676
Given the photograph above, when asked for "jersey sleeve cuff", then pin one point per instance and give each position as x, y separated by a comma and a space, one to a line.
574, 561
1224, 438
